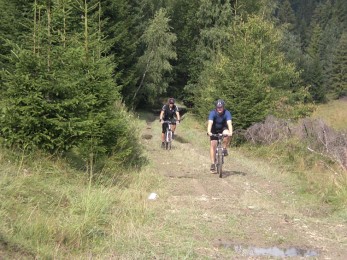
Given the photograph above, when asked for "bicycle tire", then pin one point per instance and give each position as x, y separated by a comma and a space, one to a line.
220, 163
168, 138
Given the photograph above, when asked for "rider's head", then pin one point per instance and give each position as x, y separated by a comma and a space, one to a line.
171, 101
220, 105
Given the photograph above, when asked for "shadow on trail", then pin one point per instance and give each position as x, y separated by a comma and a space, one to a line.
148, 116
181, 139
231, 173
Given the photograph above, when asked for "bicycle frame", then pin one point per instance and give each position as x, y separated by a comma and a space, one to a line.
168, 135
219, 155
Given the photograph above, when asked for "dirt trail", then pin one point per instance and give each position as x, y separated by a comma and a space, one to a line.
253, 211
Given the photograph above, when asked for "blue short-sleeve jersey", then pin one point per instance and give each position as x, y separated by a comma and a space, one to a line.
219, 121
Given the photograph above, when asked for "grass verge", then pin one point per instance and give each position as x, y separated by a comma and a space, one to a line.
50, 210
318, 175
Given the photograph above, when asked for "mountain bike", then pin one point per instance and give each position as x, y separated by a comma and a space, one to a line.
219, 158
168, 135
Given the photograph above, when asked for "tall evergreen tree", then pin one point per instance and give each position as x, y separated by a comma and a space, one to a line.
154, 65
125, 25
184, 24
13, 18
214, 20
313, 74
286, 15
339, 68
251, 74
61, 93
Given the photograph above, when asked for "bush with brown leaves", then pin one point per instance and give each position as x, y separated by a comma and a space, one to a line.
319, 137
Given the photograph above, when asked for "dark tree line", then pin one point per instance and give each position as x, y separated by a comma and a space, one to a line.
318, 29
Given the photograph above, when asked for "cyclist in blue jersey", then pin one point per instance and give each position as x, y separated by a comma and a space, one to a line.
219, 122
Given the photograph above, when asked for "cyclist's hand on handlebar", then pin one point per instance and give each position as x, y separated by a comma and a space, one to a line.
178, 122
209, 134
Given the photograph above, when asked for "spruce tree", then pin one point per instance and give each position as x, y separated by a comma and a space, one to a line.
251, 74
154, 65
339, 68
286, 15
61, 94
214, 20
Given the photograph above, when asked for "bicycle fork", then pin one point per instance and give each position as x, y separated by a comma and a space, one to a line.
219, 155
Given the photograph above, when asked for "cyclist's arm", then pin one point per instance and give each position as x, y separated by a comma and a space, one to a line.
178, 116
209, 127
230, 127
161, 116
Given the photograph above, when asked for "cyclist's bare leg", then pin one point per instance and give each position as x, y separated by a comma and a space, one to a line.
163, 137
226, 140
213, 148
173, 128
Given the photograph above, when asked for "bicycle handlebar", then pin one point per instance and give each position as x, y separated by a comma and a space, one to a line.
218, 135
168, 122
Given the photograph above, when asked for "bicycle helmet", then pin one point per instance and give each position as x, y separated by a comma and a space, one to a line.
220, 103
171, 101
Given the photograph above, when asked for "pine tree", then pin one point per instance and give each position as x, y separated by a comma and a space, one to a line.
61, 93
13, 20
251, 74
339, 68
184, 24
154, 65
313, 74
214, 20
286, 15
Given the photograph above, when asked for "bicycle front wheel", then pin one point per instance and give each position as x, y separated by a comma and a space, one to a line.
168, 140
220, 163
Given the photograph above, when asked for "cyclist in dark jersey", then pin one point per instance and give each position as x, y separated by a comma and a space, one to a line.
219, 122
169, 112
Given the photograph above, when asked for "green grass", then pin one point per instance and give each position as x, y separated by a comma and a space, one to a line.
318, 175
333, 113
49, 210
193, 130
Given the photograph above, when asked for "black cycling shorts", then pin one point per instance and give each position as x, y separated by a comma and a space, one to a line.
173, 122
217, 131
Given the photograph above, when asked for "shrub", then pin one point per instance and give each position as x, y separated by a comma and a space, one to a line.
314, 133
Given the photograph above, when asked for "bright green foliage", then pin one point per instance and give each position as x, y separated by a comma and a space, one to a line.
62, 95
154, 65
12, 24
214, 19
251, 74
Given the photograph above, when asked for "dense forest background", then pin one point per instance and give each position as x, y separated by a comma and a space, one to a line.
71, 69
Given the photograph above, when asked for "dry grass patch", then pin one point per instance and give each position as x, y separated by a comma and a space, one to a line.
333, 113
